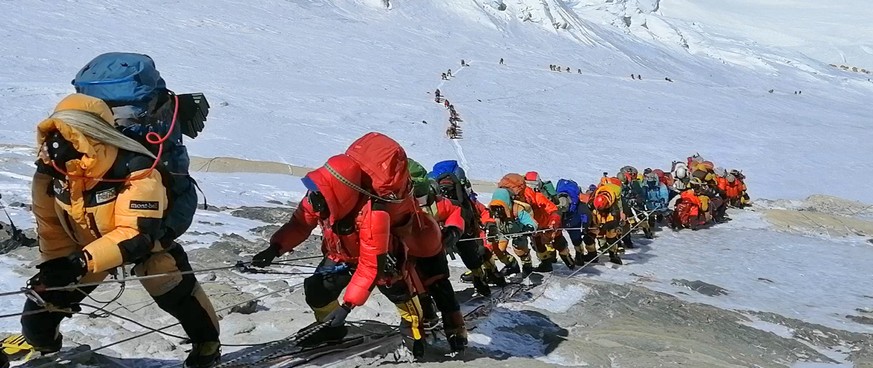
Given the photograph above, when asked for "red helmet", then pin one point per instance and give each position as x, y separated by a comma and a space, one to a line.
602, 202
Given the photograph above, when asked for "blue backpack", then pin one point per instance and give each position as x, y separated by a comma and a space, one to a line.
120, 78
571, 189
449, 167
133, 87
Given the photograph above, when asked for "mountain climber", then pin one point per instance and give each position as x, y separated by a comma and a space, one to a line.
715, 197
443, 77
545, 214
100, 200
512, 218
501, 61
434, 271
605, 230
360, 252
449, 73
681, 178
452, 184
575, 216
688, 208
633, 199
463, 63
657, 197
734, 189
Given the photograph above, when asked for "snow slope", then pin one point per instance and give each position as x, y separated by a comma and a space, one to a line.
296, 81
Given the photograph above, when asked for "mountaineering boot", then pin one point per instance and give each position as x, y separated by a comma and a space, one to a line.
323, 336
589, 257
613, 257
493, 277
204, 355
648, 233
467, 277
579, 259
51, 348
481, 286
526, 270
568, 261
628, 243
510, 269
544, 266
4, 360
418, 347
456, 331
457, 342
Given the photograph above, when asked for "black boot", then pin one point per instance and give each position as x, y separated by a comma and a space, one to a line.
579, 259
418, 347
481, 286
467, 277
4, 360
544, 266
568, 261
613, 257
323, 336
648, 233
494, 277
457, 342
628, 243
526, 270
510, 269
590, 258
204, 355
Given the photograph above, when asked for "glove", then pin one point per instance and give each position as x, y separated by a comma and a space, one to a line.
337, 318
265, 257
491, 231
451, 235
63, 271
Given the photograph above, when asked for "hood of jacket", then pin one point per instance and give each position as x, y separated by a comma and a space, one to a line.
334, 180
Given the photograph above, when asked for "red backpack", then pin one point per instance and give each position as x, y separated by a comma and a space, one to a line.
383, 160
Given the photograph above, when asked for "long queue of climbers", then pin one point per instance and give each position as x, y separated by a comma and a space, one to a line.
111, 188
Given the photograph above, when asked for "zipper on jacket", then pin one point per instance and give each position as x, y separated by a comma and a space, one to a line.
69, 229
93, 225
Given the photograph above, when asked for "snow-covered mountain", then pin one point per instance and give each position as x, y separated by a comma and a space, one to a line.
296, 81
